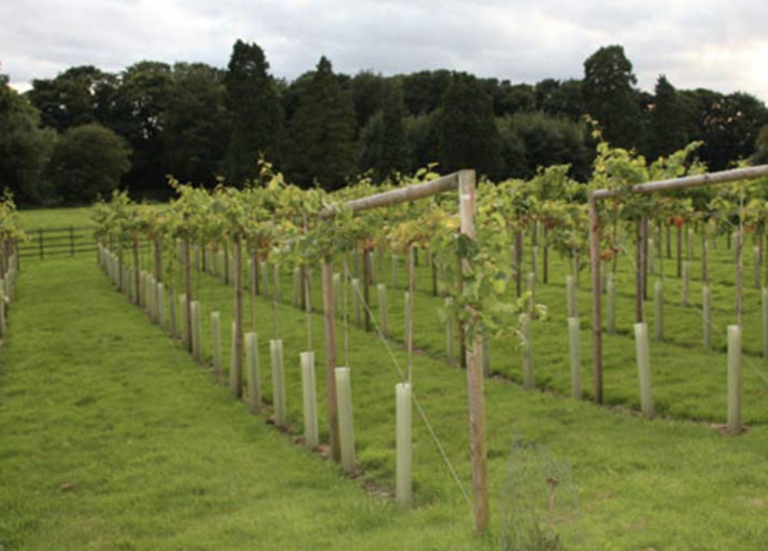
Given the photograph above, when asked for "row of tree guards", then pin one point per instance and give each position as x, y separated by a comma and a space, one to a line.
479, 275
641, 332
11, 234
9, 271
148, 291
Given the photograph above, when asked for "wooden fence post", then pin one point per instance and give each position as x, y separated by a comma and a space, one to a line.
467, 205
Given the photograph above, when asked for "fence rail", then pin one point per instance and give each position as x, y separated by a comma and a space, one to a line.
69, 240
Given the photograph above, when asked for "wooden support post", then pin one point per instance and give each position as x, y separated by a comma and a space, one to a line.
461, 329
394, 271
658, 303
704, 254
545, 260
449, 331
519, 262
597, 315
252, 364
137, 269
640, 265
172, 312
216, 343
161, 304
337, 291
381, 290
226, 266
764, 309
366, 288
679, 252
707, 315
188, 295
329, 317
253, 281
571, 296
238, 298
197, 345
467, 205
529, 381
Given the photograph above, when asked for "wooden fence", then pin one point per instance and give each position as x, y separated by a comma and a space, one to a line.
47, 242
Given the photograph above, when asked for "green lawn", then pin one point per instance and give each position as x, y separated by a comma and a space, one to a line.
55, 218
93, 395
112, 438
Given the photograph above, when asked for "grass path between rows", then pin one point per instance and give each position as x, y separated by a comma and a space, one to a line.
111, 437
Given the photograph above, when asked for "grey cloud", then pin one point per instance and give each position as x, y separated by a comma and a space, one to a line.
517, 40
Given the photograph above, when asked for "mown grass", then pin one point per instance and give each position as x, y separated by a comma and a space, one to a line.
55, 218
664, 484
112, 438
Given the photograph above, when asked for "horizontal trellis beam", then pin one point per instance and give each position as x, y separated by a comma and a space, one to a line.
402, 195
723, 177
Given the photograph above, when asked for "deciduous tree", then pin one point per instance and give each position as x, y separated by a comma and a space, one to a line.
87, 161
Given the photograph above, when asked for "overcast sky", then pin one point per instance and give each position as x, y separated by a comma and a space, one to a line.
704, 43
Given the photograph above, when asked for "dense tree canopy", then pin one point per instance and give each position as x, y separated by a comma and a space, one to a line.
138, 114
761, 147
88, 161
79, 95
322, 132
257, 120
467, 133
730, 128
24, 147
667, 132
609, 95
199, 122
532, 140
383, 146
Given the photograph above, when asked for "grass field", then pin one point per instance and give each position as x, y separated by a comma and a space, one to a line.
55, 218
113, 438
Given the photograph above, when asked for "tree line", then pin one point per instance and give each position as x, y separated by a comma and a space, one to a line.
87, 131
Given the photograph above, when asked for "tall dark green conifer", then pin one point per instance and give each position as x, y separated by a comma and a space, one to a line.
322, 132
667, 121
255, 109
610, 97
468, 136
384, 148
